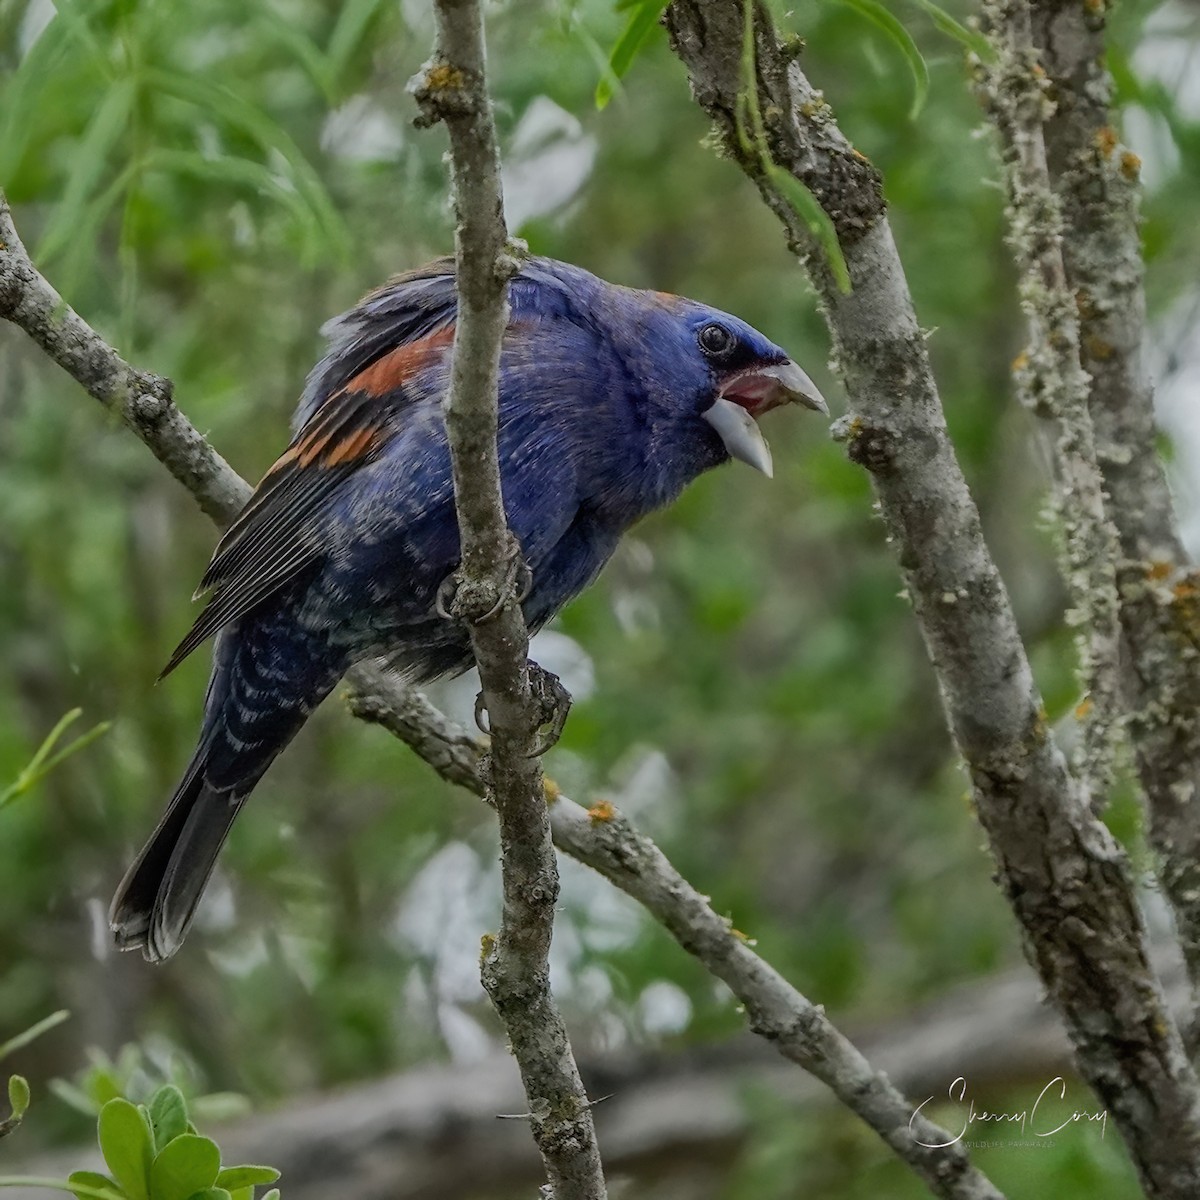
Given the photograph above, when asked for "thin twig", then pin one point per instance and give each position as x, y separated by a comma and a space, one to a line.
1096, 180
1065, 877
452, 88
600, 838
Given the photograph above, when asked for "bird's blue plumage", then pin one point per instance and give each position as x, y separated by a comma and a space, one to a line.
340, 553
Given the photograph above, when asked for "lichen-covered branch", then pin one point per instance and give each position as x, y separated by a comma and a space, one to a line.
1051, 379
1096, 180
452, 88
604, 840
1067, 880
141, 399
600, 838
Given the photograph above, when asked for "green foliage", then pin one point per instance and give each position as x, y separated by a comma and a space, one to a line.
18, 1086
762, 703
154, 1153
883, 18
44, 761
642, 19
753, 137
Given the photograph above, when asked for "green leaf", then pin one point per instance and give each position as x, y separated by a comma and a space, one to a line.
354, 17
887, 21
212, 1193
273, 1194
185, 1166
233, 1178
168, 1115
42, 764
84, 1190
306, 52
972, 39
18, 1101
213, 99
641, 21
34, 1031
806, 206
89, 161
91, 1179
21, 101
127, 1147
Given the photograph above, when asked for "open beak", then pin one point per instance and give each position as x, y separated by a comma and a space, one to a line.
746, 396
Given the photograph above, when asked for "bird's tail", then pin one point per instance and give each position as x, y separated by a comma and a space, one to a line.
157, 899
264, 683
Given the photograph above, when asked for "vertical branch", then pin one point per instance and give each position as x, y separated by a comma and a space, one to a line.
1096, 180
518, 696
1051, 378
1064, 876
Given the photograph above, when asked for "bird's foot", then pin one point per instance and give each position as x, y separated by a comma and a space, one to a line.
452, 602
553, 702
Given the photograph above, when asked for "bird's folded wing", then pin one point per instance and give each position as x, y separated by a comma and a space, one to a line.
279, 532
405, 310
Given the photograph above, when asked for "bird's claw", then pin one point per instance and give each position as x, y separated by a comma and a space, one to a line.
516, 585
554, 706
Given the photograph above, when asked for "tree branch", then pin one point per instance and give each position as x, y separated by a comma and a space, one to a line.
432, 1131
1097, 184
452, 88
1065, 877
1051, 379
600, 838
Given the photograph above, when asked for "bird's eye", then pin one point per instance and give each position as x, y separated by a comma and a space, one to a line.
716, 341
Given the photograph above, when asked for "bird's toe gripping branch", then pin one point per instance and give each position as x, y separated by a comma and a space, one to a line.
553, 703
554, 706
480, 602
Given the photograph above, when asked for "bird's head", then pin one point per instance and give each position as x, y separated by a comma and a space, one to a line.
748, 375
714, 374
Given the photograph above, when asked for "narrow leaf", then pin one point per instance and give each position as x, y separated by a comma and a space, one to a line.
90, 159
806, 206
354, 17
233, 1178
127, 1147
641, 21
887, 21
972, 39
185, 1166
84, 1190
212, 1193
34, 1031
90, 1179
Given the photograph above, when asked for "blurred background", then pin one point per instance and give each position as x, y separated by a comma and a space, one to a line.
207, 184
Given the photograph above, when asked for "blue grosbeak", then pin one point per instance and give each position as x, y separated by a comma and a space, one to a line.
611, 401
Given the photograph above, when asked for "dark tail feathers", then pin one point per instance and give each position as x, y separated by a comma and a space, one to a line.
157, 899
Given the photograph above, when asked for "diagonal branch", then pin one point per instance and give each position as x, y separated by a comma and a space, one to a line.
452, 88
599, 838
1097, 184
1066, 879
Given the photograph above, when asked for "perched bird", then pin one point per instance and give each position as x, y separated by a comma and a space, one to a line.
611, 401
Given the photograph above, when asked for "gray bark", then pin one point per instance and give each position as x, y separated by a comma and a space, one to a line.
452, 88
1066, 879
797, 1027
1052, 381
431, 1133
1096, 180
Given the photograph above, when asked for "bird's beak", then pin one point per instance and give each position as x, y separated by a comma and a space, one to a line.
749, 394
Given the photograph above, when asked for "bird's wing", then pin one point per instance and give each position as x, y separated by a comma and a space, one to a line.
406, 309
279, 532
